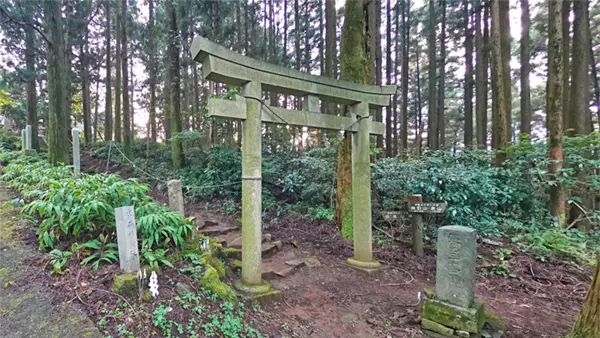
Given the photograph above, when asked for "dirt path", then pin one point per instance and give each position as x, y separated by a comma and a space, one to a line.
26, 308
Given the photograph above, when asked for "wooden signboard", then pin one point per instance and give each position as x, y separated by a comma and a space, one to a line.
427, 208
393, 215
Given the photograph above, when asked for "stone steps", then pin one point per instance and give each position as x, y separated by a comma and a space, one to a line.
277, 263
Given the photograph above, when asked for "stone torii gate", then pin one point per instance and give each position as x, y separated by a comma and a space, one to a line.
223, 65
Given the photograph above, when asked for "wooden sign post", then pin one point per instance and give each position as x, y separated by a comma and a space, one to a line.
417, 208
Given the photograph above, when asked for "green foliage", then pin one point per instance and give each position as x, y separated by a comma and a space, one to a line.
81, 209
573, 245
99, 250
59, 259
322, 213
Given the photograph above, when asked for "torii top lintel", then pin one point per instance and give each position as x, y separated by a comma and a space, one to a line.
223, 65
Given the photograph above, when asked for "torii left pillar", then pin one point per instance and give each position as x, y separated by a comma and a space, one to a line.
251, 281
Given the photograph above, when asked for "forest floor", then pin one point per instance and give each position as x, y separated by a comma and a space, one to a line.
331, 300
26, 297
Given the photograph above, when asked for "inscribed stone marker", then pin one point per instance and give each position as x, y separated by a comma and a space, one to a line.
28, 137
129, 259
176, 197
7, 124
456, 259
23, 141
76, 158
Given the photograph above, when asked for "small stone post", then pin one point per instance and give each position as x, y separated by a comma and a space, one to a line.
361, 194
7, 123
129, 258
417, 227
176, 197
23, 140
456, 262
76, 156
28, 137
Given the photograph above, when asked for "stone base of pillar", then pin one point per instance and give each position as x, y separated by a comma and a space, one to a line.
367, 267
29, 152
262, 293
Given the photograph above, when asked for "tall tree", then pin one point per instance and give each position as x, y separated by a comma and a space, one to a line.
525, 56
152, 72
588, 321
579, 116
441, 96
432, 130
389, 148
405, 55
468, 136
174, 103
480, 81
498, 83
32, 118
118, 68
554, 102
58, 142
85, 73
354, 68
566, 33
505, 42
330, 45
108, 99
127, 135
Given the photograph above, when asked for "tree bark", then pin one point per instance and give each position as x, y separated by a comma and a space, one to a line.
566, 33
587, 324
85, 77
108, 99
354, 68
58, 142
419, 115
127, 135
506, 55
468, 136
432, 123
405, 56
441, 96
32, 118
579, 116
152, 73
596, 84
480, 81
389, 148
118, 68
498, 83
554, 102
174, 103
525, 56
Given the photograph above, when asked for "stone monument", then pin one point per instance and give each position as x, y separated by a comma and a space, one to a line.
28, 143
129, 258
76, 156
451, 310
176, 197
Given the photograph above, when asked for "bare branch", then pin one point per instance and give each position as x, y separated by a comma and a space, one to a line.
23, 24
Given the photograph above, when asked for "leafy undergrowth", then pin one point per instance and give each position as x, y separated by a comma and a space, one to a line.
77, 213
199, 313
74, 220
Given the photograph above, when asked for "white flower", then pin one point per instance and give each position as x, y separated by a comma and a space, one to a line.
153, 285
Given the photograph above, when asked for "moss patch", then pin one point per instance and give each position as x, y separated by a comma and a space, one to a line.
4, 272
471, 319
126, 284
212, 282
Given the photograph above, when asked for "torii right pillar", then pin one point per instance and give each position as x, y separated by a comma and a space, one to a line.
361, 195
